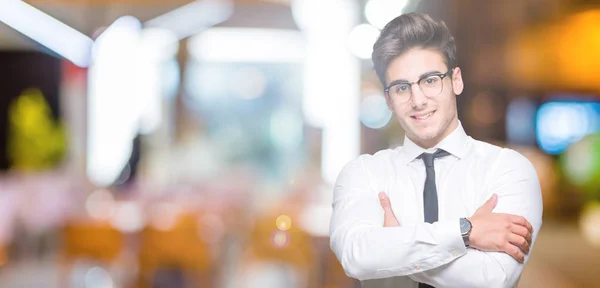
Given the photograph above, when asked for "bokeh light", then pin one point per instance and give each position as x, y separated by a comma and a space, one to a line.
361, 40
250, 83
590, 223
283, 222
128, 217
380, 12
286, 129
561, 123
98, 278
280, 239
100, 205
520, 121
581, 163
163, 216
484, 109
374, 112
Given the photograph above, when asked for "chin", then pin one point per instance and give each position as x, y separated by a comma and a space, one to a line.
427, 134
427, 137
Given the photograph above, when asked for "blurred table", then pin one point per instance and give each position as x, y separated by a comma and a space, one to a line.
562, 258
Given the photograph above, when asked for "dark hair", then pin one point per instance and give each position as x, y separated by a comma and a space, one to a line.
409, 31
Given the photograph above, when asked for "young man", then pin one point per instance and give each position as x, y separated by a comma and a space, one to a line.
444, 209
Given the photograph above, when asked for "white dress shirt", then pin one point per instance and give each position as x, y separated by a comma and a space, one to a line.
430, 253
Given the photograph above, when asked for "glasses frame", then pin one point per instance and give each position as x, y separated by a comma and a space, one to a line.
441, 75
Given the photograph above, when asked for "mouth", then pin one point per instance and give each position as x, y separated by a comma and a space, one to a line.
422, 117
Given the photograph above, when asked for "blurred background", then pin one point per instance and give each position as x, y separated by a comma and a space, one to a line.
150, 143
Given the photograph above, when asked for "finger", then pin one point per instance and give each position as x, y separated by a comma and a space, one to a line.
520, 242
490, 203
521, 231
384, 201
514, 252
389, 218
520, 220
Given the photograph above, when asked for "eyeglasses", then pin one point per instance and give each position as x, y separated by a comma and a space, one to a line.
431, 85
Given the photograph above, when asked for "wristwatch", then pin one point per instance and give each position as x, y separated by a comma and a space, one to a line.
465, 230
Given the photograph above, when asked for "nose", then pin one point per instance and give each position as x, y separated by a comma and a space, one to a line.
418, 99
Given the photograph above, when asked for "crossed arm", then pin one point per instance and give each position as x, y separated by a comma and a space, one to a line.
430, 253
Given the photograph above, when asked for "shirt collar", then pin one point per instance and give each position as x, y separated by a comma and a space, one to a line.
455, 144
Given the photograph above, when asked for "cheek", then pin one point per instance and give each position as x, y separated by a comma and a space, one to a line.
446, 105
399, 109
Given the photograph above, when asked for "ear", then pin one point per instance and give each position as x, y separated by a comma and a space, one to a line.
457, 82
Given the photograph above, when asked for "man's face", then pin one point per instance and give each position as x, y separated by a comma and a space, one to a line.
426, 119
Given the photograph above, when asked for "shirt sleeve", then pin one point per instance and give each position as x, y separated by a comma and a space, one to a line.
516, 183
367, 250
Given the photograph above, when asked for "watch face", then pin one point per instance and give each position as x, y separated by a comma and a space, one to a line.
465, 226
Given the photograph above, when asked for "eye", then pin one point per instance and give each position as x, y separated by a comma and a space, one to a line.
431, 80
399, 88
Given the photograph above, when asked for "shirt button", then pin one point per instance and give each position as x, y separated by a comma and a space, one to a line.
417, 267
454, 252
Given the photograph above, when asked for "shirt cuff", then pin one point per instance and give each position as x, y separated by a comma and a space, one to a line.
450, 245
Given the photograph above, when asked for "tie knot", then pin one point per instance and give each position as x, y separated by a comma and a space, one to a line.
428, 157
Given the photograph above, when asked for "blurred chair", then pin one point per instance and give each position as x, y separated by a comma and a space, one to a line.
334, 275
278, 257
3, 255
93, 241
167, 257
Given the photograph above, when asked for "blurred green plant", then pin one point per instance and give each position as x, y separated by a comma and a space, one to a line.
35, 140
581, 165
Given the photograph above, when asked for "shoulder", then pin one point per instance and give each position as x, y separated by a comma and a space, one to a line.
375, 162
503, 159
366, 171
515, 161
485, 150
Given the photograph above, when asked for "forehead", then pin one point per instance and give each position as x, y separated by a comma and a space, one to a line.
413, 63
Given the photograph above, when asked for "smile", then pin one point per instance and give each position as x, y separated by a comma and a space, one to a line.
423, 116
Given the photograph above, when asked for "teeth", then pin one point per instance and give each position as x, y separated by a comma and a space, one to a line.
424, 116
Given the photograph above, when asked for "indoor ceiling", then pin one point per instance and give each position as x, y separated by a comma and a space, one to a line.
87, 16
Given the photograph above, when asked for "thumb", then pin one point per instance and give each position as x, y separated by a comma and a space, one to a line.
389, 219
384, 201
490, 203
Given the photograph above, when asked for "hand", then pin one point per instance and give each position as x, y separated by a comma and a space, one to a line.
389, 219
500, 232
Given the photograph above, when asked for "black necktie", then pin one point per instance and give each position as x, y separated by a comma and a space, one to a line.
430, 199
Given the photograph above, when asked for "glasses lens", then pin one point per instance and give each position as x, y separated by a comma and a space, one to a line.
400, 92
431, 86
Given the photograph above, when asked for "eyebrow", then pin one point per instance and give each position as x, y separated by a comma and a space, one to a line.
426, 74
